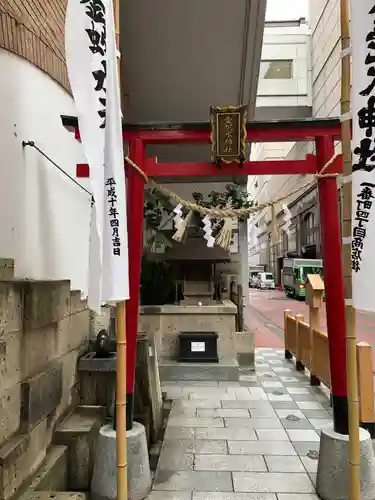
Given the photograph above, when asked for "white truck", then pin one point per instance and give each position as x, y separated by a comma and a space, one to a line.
253, 273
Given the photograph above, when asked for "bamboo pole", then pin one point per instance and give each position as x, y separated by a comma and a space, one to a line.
121, 451
121, 455
351, 349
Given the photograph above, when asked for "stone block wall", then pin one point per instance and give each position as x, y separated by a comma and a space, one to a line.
44, 328
165, 323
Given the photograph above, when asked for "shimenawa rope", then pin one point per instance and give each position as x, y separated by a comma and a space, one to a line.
229, 212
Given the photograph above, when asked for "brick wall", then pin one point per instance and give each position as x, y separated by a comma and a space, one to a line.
44, 328
34, 30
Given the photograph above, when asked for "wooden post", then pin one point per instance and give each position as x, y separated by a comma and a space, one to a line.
314, 299
287, 313
299, 365
121, 452
240, 309
314, 321
351, 348
366, 387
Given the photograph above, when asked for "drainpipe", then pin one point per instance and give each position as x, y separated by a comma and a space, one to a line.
273, 240
244, 52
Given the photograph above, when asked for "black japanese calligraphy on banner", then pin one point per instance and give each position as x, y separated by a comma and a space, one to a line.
364, 152
364, 204
363, 148
97, 35
113, 215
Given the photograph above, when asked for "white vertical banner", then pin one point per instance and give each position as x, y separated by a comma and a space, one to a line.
91, 57
363, 145
115, 279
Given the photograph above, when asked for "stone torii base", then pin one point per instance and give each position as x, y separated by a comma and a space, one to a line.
104, 479
332, 481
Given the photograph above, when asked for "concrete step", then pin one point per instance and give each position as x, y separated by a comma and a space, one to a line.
52, 475
195, 301
196, 287
225, 370
24, 466
79, 433
197, 293
6, 269
55, 495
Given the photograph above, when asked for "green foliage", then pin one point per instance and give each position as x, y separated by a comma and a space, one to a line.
155, 205
157, 240
157, 283
233, 196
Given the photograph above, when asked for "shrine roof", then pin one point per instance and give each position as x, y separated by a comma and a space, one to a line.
290, 130
72, 121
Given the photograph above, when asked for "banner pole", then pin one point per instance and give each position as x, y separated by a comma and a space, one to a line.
351, 341
121, 451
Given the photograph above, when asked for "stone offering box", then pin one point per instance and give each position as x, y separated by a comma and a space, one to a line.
198, 346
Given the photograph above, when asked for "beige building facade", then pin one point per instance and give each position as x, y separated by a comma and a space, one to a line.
292, 229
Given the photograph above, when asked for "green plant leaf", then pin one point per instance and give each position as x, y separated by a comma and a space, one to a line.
161, 239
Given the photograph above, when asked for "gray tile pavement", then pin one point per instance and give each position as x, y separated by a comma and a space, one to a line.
256, 439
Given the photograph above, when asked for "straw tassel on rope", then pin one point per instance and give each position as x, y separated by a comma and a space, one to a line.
224, 237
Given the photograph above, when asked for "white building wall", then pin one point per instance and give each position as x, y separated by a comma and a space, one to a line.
44, 216
326, 62
280, 42
286, 43
325, 79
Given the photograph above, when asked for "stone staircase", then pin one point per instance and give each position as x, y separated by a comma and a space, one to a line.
67, 469
6, 269
46, 439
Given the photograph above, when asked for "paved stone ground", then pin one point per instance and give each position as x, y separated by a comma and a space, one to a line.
257, 439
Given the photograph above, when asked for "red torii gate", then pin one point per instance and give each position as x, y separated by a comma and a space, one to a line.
324, 133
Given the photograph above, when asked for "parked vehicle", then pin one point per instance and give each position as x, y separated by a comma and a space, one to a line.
253, 274
265, 281
295, 273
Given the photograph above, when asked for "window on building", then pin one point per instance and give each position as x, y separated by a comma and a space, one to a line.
284, 242
308, 229
277, 69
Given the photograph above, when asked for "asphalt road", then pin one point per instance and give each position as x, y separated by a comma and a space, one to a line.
265, 317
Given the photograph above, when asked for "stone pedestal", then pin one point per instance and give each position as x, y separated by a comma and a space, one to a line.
166, 322
332, 479
245, 348
103, 485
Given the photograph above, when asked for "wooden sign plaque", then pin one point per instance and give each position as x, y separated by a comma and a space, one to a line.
228, 133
